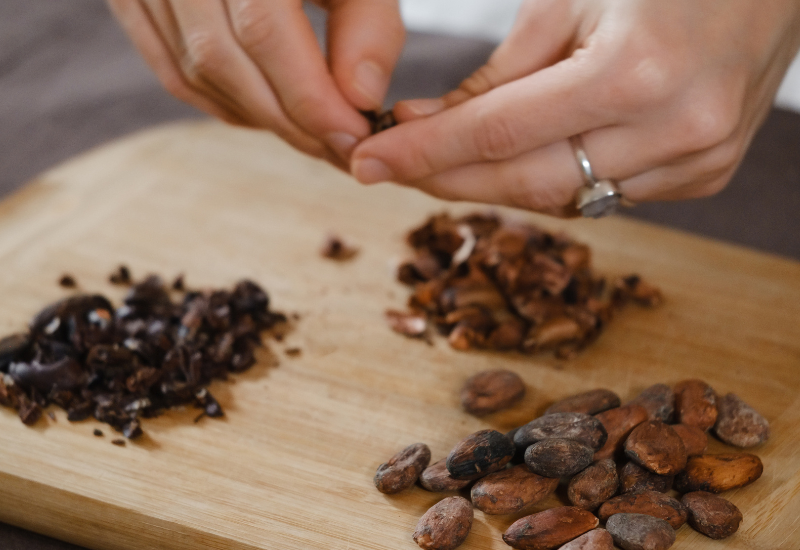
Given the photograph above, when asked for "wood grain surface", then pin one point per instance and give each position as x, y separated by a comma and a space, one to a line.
291, 464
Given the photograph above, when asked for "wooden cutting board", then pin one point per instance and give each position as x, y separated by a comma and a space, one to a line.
291, 464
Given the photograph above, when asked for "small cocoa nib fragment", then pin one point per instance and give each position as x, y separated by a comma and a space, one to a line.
549, 529
590, 402
694, 439
558, 457
445, 525
635, 479
580, 427
633, 288
379, 122
336, 248
594, 485
712, 515
67, 281
511, 490
695, 404
118, 442
122, 276
659, 402
596, 539
491, 391
97, 433
480, 454
716, 473
437, 479
640, 532
651, 503
412, 325
403, 469
657, 447
738, 424
619, 423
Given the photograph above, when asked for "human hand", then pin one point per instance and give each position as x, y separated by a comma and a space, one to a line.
257, 63
666, 95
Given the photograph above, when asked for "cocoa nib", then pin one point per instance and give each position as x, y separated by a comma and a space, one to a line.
480, 454
716, 473
336, 248
445, 525
379, 122
491, 391
122, 276
712, 515
549, 529
739, 424
67, 281
403, 469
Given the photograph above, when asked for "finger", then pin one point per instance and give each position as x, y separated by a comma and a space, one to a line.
365, 38
279, 38
142, 32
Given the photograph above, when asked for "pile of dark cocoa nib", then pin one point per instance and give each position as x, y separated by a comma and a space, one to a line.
120, 365
490, 284
615, 464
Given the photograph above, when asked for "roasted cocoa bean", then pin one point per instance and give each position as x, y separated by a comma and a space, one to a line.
619, 423
491, 391
549, 529
695, 404
511, 490
480, 454
576, 426
594, 485
694, 439
437, 479
635, 479
659, 402
719, 472
738, 424
651, 503
590, 402
712, 515
596, 539
445, 525
558, 457
403, 469
640, 532
657, 447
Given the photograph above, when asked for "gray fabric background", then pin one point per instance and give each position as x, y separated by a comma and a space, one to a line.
69, 80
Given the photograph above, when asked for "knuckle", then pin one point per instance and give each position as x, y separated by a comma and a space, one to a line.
305, 107
251, 24
480, 82
523, 193
204, 56
708, 122
495, 137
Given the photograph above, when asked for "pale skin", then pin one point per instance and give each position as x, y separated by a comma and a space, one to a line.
666, 95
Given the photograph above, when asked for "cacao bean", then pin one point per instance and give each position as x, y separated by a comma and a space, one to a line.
596, 539
640, 532
657, 447
651, 503
695, 404
594, 485
480, 454
445, 525
590, 402
576, 426
659, 402
694, 439
558, 457
712, 515
437, 479
635, 479
719, 472
491, 391
619, 423
511, 490
549, 529
403, 469
739, 424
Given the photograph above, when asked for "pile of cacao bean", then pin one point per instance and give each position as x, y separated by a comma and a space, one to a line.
487, 283
135, 361
639, 468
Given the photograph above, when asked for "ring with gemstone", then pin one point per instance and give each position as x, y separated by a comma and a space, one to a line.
597, 198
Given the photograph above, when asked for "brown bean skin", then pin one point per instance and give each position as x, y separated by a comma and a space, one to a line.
695, 404
596, 539
635, 479
659, 402
716, 473
594, 485
491, 391
651, 503
577, 426
657, 447
694, 439
590, 402
549, 529
640, 532
619, 423
558, 457
712, 515
511, 490
738, 424
480, 454
445, 525
437, 479
403, 469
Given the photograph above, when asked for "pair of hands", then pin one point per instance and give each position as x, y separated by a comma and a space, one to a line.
667, 95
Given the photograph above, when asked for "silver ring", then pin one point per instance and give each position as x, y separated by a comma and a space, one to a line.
597, 198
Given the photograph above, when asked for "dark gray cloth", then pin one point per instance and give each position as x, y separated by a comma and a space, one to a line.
70, 80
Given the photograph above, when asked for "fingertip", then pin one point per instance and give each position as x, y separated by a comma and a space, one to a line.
370, 170
369, 85
412, 109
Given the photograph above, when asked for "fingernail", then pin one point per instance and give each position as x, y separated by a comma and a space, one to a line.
371, 170
371, 81
342, 144
424, 107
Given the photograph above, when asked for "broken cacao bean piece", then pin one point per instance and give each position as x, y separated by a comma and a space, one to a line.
379, 122
445, 525
596, 539
122, 276
558, 457
651, 503
549, 529
437, 479
695, 404
336, 248
511, 490
657, 447
640, 532
712, 515
403, 469
412, 325
67, 281
738, 424
590, 402
480, 454
694, 439
659, 402
569, 425
635, 479
716, 473
594, 485
491, 391
619, 423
